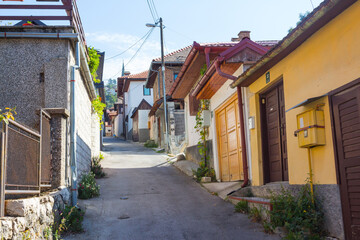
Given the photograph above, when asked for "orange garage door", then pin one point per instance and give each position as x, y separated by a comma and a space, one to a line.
228, 138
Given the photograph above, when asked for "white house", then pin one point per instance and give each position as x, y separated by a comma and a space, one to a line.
132, 89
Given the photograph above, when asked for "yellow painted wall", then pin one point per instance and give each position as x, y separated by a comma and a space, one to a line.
326, 61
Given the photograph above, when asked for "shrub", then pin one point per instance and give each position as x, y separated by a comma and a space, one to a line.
88, 187
150, 144
242, 207
301, 217
96, 166
204, 171
72, 218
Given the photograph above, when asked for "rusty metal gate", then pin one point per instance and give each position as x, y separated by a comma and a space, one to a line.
25, 159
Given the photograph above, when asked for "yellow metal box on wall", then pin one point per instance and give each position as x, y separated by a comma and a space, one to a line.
311, 129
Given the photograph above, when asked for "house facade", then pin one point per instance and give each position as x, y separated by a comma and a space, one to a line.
304, 103
175, 107
133, 91
141, 130
37, 70
220, 63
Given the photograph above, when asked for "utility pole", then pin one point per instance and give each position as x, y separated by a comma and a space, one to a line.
163, 80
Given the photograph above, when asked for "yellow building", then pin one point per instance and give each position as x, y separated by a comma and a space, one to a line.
315, 69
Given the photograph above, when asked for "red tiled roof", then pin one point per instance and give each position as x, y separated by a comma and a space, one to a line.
172, 53
143, 74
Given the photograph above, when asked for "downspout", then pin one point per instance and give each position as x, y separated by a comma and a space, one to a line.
221, 73
243, 139
72, 127
242, 123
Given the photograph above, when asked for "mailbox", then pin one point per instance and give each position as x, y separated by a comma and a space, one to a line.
310, 128
206, 116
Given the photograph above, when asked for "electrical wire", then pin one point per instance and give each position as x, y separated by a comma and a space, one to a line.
151, 10
312, 4
154, 8
129, 47
151, 30
137, 51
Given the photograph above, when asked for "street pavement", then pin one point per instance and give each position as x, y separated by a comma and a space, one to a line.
144, 197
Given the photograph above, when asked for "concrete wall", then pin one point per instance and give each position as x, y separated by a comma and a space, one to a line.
118, 125
22, 62
143, 119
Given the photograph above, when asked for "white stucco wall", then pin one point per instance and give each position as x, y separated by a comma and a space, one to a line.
143, 119
192, 137
118, 125
133, 98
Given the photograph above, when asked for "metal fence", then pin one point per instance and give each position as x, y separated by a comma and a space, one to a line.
23, 169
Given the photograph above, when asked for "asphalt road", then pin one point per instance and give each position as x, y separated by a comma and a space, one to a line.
144, 197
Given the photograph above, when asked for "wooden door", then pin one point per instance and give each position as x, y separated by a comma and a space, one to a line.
346, 119
274, 135
229, 146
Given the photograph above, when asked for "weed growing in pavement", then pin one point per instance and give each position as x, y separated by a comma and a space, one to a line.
96, 166
255, 214
88, 187
242, 207
71, 219
204, 171
161, 151
150, 144
299, 215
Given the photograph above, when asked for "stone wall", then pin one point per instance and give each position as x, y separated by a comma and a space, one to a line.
29, 218
192, 153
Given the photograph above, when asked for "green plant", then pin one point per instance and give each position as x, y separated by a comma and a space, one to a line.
204, 169
7, 114
301, 217
255, 214
161, 151
242, 207
267, 227
99, 109
203, 70
93, 63
150, 144
72, 218
96, 166
88, 187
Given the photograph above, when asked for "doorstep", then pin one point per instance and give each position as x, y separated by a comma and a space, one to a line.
222, 189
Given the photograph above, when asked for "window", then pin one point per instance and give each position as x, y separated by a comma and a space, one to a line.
175, 76
146, 91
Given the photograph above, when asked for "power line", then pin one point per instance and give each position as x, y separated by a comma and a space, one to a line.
147, 37
312, 4
154, 8
137, 51
129, 47
151, 10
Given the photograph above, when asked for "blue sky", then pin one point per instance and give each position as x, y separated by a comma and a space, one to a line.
114, 25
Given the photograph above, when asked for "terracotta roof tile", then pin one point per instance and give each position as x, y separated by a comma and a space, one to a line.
143, 74
176, 55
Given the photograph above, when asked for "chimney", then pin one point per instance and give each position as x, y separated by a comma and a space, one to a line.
241, 36
126, 73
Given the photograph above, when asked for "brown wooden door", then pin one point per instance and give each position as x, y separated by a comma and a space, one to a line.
229, 146
346, 113
274, 135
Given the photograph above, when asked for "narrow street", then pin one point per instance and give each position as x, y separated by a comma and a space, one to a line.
162, 202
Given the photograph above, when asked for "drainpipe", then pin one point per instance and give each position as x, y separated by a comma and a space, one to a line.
221, 73
243, 139
242, 123
72, 127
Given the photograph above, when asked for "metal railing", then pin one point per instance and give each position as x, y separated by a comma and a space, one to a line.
70, 7
25, 159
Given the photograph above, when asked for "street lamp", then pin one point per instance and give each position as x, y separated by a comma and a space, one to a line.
160, 24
